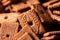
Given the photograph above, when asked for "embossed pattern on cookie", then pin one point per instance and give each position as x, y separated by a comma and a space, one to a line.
30, 18
25, 36
52, 12
26, 29
10, 17
8, 30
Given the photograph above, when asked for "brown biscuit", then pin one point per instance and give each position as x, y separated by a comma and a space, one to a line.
8, 2
33, 2
25, 36
8, 30
45, 18
52, 12
56, 12
30, 18
26, 29
5, 2
20, 7
8, 17
54, 5
43, 14
50, 3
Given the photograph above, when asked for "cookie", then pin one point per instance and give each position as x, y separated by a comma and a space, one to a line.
30, 18
43, 15
46, 4
8, 17
25, 36
8, 29
20, 7
25, 29
5, 2
54, 14
8, 2
33, 2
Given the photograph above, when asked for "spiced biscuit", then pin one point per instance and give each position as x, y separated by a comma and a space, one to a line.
43, 15
5, 2
54, 5
10, 7
8, 29
8, 17
51, 35
56, 12
20, 7
28, 29
30, 18
30, 15
51, 10
8, 2
46, 4
25, 36
33, 2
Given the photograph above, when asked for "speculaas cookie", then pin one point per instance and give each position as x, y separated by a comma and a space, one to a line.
30, 18
8, 17
20, 7
25, 36
54, 11
8, 29
26, 29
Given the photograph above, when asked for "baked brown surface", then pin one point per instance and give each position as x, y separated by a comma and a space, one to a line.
29, 20
8, 30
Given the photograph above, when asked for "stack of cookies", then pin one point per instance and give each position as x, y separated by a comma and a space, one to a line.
29, 19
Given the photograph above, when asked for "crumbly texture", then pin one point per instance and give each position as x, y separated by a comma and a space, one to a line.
29, 19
